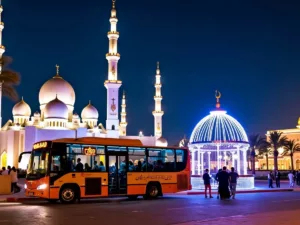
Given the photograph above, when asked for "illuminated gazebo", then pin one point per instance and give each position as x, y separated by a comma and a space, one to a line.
218, 140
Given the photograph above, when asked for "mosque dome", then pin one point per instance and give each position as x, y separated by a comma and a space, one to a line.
57, 86
56, 109
218, 127
75, 116
37, 114
89, 112
161, 142
21, 109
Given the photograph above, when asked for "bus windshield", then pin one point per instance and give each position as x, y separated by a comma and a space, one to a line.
38, 164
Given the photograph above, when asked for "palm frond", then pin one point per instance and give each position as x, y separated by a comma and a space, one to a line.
6, 61
10, 77
10, 92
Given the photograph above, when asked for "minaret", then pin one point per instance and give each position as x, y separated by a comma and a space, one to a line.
2, 50
157, 113
123, 123
112, 84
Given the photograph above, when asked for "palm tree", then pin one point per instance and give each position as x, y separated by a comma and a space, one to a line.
276, 141
8, 79
256, 142
291, 148
265, 150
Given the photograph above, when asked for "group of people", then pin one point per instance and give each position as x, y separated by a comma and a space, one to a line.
293, 176
12, 172
227, 183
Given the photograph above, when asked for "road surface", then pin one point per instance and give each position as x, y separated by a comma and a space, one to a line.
247, 209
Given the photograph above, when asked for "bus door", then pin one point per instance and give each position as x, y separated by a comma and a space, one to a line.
117, 181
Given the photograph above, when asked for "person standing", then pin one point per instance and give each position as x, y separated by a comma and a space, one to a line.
223, 179
233, 176
298, 178
277, 178
270, 179
291, 179
4, 171
206, 179
79, 166
14, 180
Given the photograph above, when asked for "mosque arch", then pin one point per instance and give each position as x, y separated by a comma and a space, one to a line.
4, 159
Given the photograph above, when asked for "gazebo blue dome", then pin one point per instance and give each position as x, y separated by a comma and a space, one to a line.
218, 127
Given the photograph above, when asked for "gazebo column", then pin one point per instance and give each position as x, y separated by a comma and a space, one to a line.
198, 161
202, 164
218, 157
225, 159
233, 159
245, 161
208, 160
193, 161
238, 160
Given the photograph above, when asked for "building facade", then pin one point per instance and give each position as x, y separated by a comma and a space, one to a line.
266, 162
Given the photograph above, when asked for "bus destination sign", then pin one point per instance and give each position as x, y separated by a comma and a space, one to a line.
89, 151
40, 145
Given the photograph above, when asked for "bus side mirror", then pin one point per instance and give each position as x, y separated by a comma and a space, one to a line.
20, 158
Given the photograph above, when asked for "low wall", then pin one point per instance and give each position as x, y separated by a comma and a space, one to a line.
244, 182
5, 187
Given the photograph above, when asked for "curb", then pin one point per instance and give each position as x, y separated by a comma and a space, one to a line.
243, 192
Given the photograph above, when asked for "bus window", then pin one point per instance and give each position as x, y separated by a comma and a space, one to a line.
180, 160
99, 164
58, 161
137, 159
160, 159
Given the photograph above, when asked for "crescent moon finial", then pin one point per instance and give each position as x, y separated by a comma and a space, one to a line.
218, 96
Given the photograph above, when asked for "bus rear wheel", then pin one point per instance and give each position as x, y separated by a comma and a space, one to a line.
153, 191
67, 195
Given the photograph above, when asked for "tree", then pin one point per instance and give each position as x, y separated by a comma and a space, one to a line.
291, 148
256, 142
276, 141
9, 79
265, 150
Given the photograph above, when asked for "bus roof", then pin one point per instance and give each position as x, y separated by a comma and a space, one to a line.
100, 141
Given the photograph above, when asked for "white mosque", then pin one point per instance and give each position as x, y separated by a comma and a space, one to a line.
56, 118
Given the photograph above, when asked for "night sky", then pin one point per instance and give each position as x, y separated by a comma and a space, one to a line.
249, 50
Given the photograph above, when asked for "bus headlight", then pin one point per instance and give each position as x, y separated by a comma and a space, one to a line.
42, 187
25, 186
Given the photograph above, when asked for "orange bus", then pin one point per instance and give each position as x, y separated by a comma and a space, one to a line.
72, 169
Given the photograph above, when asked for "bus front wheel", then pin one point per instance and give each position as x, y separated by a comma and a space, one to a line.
67, 195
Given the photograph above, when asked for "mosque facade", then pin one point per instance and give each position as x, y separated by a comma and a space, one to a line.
56, 118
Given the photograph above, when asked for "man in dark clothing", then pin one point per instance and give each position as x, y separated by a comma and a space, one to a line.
277, 178
223, 178
206, 179
79, 166
233, 176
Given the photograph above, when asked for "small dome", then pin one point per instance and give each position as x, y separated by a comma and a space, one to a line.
56, 109
89, 112
37, 114
161, 142
57, 86
21, 109
75, 116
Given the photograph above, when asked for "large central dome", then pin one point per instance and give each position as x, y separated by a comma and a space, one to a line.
218, 127
57, 86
